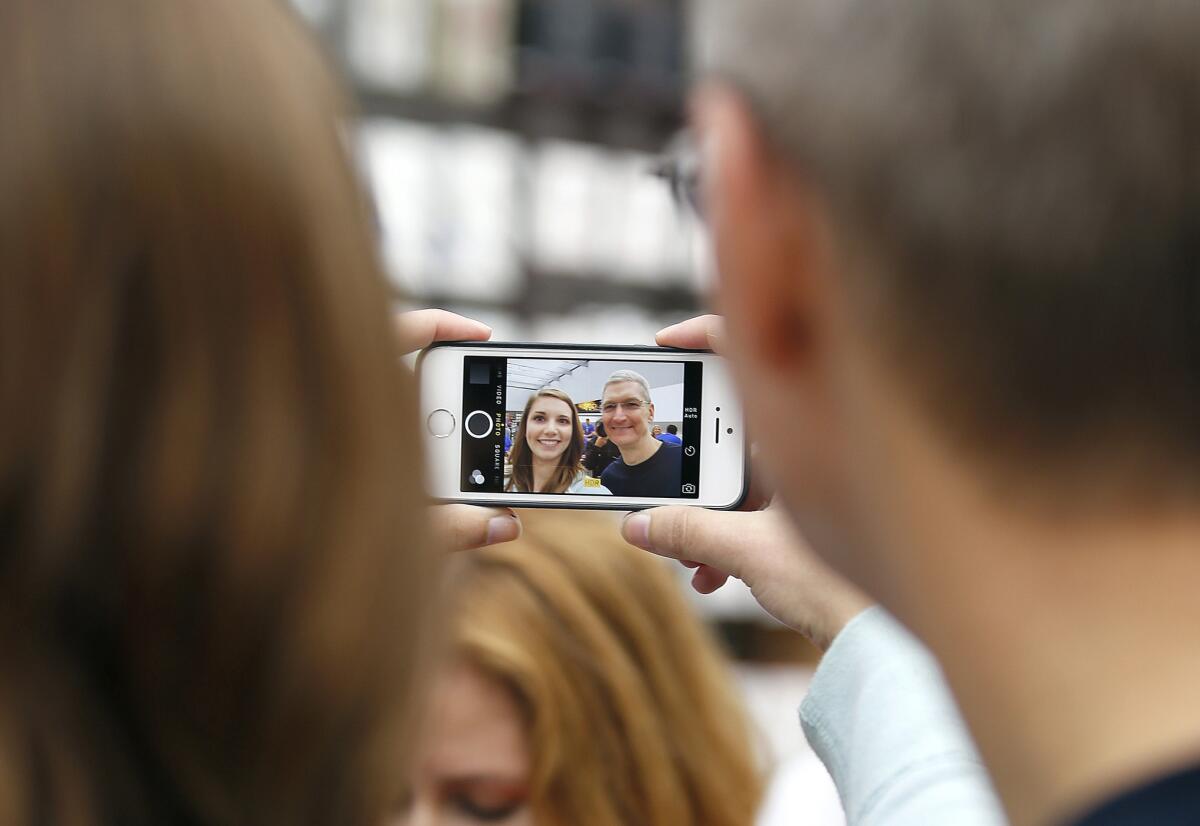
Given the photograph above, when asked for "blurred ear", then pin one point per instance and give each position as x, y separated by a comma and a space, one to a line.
768, 236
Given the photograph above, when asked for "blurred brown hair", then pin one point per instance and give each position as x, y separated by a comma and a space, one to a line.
213, 561
631, 711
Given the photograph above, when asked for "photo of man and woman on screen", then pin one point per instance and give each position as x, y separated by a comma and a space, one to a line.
594, 427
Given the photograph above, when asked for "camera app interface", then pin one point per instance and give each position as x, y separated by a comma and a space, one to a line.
581, 426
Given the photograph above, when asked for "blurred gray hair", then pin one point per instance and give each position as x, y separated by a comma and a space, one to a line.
1015, 185
630, 376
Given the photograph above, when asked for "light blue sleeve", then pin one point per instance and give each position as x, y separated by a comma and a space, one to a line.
882, 720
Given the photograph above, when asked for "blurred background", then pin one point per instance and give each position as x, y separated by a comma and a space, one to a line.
509, 145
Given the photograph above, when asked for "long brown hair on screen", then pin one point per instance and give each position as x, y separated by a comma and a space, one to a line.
521, 457
213, 562
630, 708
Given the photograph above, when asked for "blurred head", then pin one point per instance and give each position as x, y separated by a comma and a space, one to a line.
922, 245
626, 407
656, 431
672, 429
214, 563
477, 762
549, 432
584, 691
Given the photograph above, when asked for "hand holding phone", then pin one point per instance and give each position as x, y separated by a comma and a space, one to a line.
459, 526
617, 428
761, 548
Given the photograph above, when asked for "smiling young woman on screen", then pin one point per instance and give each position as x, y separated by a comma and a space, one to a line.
546, 454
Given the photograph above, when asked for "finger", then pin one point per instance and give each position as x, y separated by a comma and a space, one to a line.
704, 332
708, 579
466, 526
679, 532
687, 563
420, 328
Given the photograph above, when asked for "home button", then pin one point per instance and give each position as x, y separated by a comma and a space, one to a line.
440, 423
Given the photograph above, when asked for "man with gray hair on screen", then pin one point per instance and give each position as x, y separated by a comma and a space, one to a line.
647, 467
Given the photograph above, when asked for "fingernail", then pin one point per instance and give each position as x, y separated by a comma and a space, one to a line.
636, 530
502, 529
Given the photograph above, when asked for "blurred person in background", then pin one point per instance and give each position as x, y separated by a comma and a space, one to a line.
583, 690
545, 456
958, 242
671, 436
215, 566
600, 451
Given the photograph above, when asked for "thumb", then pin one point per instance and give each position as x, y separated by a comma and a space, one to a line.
706, 332
712, 538
460, 527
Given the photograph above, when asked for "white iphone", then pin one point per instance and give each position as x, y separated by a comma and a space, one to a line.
570, 426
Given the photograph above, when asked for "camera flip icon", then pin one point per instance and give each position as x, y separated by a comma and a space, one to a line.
689, 489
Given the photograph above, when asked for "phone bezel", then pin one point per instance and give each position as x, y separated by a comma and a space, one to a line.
584, 502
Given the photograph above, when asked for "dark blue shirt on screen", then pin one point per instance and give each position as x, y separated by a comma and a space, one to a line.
660, 475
